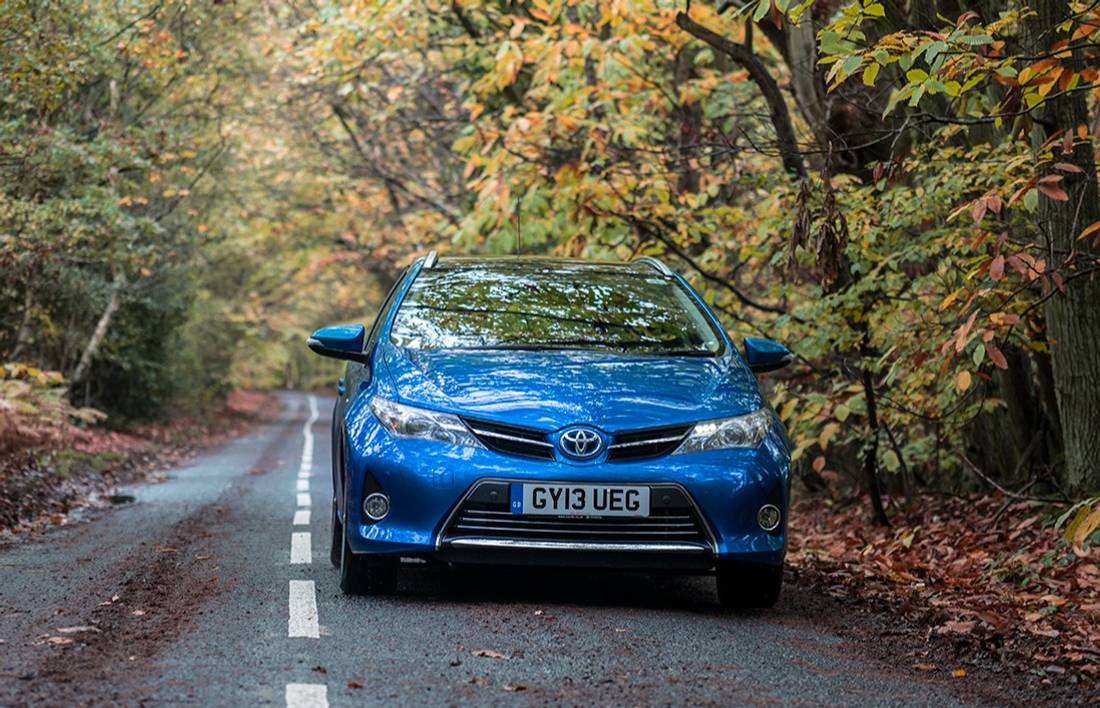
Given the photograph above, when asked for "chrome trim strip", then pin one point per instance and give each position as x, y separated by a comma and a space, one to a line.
657, 265
564, 520
653, 485
577, 546
430, 259
513, 438
654, 441
592, 532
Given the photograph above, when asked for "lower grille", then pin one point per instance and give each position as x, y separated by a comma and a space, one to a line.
484, 514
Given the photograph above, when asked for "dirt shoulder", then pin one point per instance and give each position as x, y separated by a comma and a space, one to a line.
53, 484
982, 584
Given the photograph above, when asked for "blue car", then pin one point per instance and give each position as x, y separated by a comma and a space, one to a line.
535, 411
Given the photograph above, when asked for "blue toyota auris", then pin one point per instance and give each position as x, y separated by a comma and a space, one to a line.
555, 412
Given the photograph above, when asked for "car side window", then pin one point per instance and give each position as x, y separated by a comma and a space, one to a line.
372, 336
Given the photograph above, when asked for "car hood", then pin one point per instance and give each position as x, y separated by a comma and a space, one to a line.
552, 389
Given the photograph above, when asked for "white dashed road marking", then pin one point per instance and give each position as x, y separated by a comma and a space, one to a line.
300, 552
306, 695
302, 621
303, 610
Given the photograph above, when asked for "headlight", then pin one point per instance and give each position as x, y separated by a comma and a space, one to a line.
739, 431
408, 422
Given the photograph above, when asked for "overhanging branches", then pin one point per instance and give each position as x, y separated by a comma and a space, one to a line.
777, 107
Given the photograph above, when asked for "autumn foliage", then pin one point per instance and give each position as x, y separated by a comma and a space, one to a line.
904, 194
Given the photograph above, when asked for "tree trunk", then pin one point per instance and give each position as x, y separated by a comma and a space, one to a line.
1073, 317
24, 333
92, 348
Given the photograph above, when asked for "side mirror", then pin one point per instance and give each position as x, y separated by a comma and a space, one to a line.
765, 355
340, 342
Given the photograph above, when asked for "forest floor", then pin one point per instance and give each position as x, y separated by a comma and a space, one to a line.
55, 485
988, 581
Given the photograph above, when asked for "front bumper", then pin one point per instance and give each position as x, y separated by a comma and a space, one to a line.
427, 481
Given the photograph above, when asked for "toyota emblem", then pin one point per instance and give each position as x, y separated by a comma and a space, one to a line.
581, 443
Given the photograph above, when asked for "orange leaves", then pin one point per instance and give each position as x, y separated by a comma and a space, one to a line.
963, 332
1089, 230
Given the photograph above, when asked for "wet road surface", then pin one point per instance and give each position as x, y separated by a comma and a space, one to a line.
214, 588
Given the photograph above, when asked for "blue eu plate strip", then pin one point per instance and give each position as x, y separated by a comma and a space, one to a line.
517, 498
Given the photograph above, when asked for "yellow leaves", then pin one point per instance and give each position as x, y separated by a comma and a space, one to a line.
963, 380
951, 298
509, 61
827, 433
1086, 519
869, 74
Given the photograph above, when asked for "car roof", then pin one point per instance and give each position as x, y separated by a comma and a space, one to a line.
546, 263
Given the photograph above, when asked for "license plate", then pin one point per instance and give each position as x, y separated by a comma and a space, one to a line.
580, 500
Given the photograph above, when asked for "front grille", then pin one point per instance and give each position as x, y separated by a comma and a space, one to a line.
652, 442
485, 514
511, 439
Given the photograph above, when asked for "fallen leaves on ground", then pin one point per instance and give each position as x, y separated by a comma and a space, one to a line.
45, 477
978, 570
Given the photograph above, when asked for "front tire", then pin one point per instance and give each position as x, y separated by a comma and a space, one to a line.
744, 585
336, 548
366, 574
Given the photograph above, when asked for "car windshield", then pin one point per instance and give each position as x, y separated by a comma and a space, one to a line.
561, 306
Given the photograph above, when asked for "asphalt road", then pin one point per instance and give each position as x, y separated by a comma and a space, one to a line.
194, 593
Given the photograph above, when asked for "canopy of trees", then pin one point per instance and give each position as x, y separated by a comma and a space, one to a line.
904, 193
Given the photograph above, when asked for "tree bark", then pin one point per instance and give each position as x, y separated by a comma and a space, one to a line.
809, 88
98, 334
870, 449
1073, 317
777, 106
23, 335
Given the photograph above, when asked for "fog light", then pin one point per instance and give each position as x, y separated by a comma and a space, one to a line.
768, 517
376, 506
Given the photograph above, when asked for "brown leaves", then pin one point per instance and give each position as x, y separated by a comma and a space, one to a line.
1048, 185
997, 268
977, 574
995, 355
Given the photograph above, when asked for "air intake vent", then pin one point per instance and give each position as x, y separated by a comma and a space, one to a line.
511, 439
652, 442
484, 514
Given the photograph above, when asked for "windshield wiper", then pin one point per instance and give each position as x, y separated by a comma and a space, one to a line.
592, 344
567, 344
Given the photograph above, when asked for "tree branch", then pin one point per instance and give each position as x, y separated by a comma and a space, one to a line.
777, 107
